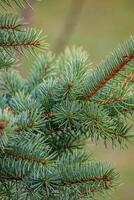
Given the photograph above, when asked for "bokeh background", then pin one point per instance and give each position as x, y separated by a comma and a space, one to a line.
98, 26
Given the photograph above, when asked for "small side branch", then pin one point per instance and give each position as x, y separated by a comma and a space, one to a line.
26, 157
18, 44
105, 179
113, 73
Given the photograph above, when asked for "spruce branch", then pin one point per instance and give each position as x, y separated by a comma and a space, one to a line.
28, 39
87, 174
129, 79
27, 151
93, 177
11, 22
6, 60
11, 82
41, 70
74, 67
63, 141
23, 102
109, 68
29, 121
117, 97
44, 121
11, 3
23, 157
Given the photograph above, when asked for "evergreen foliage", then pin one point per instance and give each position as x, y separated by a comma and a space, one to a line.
46, 118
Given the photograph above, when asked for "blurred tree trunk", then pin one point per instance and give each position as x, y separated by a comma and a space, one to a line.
26, 12
69, 25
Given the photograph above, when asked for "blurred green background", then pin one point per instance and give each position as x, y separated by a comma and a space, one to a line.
98, 26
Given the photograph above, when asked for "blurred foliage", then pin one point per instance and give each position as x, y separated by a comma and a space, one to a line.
101, 26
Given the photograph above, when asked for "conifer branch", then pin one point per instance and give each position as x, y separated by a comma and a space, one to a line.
6, 60
44, 121
41, 69
109, 68
31, 43
11, 178
120, 67
11, 22
128, 79
93, 189
11, 3
25, 157
112, 100
29, 39
105, 179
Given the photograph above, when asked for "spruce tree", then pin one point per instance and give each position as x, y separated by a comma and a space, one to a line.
46, 118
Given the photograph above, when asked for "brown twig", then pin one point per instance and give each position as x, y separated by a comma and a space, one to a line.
106, 179
15, 44
120, 67
12, 27
25, 157
130, 78
3, 125
112, 100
